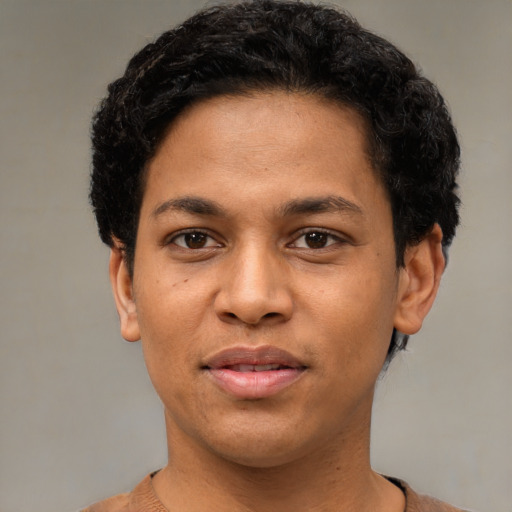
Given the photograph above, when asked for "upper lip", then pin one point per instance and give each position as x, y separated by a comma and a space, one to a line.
252, 355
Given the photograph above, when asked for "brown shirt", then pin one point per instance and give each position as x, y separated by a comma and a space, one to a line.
144, 499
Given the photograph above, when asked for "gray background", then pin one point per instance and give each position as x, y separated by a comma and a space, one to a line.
79, 420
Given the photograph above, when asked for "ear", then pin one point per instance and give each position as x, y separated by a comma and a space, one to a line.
419, 281
122, 287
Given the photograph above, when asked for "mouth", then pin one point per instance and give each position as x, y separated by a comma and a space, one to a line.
253, 373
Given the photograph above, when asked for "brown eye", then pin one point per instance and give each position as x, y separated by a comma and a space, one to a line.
316, 240
195, 240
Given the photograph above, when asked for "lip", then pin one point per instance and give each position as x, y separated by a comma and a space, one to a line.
228, 369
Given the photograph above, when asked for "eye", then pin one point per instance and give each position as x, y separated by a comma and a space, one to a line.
195, 240
315, 239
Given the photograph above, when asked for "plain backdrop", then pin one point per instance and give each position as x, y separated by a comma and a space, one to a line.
79, 419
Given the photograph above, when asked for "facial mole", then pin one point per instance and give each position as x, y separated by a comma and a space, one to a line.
185, 281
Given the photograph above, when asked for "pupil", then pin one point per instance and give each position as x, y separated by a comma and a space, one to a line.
195, 240
316, 240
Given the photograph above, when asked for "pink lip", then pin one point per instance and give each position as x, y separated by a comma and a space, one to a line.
243, 383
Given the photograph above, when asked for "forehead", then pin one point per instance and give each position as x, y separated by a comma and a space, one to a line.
278, 143
284, 114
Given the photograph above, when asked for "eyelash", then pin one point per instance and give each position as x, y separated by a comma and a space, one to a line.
334, 239
181, 234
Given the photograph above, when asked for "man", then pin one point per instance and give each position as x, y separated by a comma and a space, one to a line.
277, 186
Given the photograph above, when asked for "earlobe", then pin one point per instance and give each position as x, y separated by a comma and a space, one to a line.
121, 282
419, 281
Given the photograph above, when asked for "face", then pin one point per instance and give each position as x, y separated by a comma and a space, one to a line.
265, 289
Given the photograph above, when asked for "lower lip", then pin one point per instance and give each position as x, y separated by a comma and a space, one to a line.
254, 385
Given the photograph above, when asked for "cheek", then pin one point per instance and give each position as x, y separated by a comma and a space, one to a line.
355, 312
169, 301
171, 315
168, 340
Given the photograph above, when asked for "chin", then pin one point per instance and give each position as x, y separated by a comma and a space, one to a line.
257, 459
271, 445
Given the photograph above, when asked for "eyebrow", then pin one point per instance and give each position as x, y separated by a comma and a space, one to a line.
329, 204
189, 204
308, 205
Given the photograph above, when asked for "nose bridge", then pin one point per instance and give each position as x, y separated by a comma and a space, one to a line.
254, 288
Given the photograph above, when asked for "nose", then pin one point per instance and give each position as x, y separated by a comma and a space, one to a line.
255, 289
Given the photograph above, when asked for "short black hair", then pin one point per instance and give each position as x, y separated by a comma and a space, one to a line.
265, 45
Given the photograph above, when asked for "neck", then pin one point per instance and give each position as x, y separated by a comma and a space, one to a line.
335, 477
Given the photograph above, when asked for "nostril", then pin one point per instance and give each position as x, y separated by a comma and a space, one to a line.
246, 319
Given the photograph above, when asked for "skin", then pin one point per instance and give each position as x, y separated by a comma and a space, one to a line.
252, 274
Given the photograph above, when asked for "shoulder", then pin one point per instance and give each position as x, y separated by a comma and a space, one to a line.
141, 498
421, 503
119, 503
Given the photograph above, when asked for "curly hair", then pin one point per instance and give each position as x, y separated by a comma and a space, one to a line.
263, 45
